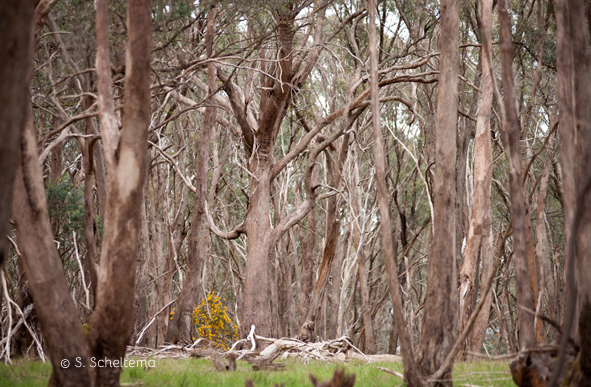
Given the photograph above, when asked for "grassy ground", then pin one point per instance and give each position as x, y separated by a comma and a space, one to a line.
191, 372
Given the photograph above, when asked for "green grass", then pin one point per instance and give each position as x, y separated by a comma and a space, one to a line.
192, 372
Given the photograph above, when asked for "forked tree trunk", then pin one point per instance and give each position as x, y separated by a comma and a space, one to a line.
480, 231
439, 321
273, 105
111, 323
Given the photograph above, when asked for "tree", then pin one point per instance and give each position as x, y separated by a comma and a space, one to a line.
17, 49
438, 332
111, 322
480, 238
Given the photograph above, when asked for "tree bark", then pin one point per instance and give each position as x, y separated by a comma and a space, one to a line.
480, 231
140, 306
308, 271
510, 136
543, 252
111, 323
55, 310
566, 127
336, 284
579, 35
439, 321
16, 49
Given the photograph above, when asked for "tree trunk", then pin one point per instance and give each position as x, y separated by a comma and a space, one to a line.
273, 107
366, 310
160, 261
141, 284
579, 35
111, 323
510, 136
16, 49
480, 231
336, 284
439, 321
308, 264
55, 310
90, 226
566, 127
543, 252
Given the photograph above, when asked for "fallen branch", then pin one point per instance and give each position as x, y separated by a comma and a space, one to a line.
391, 372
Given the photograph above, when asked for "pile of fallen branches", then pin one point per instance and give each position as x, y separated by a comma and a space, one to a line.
262, 351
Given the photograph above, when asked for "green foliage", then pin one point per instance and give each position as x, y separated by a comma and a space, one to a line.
66, 208
213, 323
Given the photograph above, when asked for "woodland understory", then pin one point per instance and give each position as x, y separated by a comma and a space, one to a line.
410, 175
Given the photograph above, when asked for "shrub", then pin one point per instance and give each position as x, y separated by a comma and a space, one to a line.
213, 323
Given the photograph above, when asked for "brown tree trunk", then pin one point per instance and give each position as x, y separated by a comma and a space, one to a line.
140, 306
366, 310
510, 136
439, 321
273, 107
308, 271
566, 127
543, 252
111, 323
90, 226
16, 51
55, 310
22, 174
160, 260
480, 231
336, 283
579, 35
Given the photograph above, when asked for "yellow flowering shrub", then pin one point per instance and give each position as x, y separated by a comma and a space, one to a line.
213, 323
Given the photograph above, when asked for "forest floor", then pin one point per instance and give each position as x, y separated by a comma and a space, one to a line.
192, 372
